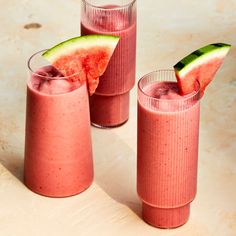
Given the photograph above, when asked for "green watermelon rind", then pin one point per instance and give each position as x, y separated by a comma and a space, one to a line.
81, 42
201, 56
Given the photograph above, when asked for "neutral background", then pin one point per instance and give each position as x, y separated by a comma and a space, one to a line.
167, 31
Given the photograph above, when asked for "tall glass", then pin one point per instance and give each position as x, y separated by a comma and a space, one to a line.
58, 151
109, 106
168, 128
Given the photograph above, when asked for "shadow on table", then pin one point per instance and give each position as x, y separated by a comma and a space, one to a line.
115, 168
13, 163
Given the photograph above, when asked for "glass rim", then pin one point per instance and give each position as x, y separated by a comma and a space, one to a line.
45, 76
110, 9
195, 95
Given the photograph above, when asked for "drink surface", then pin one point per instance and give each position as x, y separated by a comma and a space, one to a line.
49, 80
163, 90
166, 97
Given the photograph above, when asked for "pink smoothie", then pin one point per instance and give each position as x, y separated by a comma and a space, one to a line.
112, 94
58, 152
168, 129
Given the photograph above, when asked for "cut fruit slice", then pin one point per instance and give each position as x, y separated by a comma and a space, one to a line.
85, 57
200, 65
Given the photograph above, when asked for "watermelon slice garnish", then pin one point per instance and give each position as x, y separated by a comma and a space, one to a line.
83, 58
201, 65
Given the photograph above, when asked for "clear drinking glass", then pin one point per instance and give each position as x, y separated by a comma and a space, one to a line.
58, 150
168, 128
109, 106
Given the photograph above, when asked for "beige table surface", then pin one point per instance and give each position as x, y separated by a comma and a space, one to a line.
167, 30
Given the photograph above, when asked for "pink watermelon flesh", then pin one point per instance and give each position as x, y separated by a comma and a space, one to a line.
201, 65
204, 73
90, 63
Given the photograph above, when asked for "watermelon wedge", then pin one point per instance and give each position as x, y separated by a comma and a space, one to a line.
84, 58
200, 65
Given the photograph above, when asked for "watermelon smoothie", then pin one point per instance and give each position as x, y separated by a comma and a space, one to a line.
109, 106
168, 128
58, 151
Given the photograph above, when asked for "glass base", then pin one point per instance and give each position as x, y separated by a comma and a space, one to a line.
108, 127
109, 111
58, 195
166, 218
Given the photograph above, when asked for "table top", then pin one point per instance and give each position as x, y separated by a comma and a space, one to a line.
166, 33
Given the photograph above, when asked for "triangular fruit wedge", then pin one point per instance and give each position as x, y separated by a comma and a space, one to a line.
86, 56
200, 65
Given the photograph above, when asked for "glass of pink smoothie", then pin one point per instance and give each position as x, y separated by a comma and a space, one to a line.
168, 128
58, 151
109, 106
